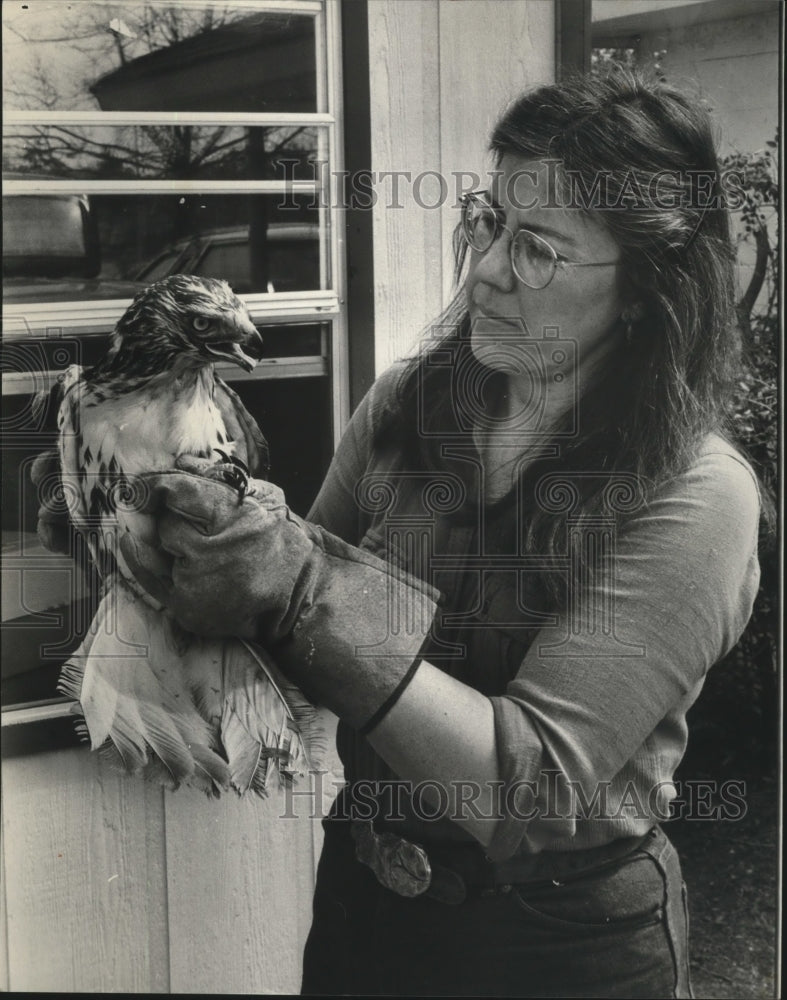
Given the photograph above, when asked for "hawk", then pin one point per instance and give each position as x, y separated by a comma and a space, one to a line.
210, 712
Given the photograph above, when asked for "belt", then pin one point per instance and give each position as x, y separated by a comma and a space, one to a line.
448, 872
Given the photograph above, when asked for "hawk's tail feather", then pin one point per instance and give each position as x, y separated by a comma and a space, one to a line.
247, 764
310, 722
257, 731
133, 694
307, 719
205, 779
179, 709
124, 754
119, 759
211, 772
211, 778
69, 683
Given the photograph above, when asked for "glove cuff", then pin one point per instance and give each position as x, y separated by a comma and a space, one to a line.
357, 638
390, 701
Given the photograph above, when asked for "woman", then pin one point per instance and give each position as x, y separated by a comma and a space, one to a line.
552, 472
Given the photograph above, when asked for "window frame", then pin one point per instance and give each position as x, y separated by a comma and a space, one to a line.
29, 320
46, 723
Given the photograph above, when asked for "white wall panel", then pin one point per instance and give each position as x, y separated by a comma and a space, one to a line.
84, 854
441, 72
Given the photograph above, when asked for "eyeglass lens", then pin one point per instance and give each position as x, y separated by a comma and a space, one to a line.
532, 258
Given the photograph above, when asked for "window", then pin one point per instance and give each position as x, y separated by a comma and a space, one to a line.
145, 139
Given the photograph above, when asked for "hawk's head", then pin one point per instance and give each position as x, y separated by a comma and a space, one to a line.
182, 322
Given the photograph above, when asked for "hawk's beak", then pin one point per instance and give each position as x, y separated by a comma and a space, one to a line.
244, 349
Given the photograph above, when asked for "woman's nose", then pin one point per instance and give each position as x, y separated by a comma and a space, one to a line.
494, 265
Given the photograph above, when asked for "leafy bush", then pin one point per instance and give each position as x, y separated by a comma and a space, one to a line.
734, 725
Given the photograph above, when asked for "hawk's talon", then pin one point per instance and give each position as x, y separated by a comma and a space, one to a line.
233, 460
237, 476
238, 480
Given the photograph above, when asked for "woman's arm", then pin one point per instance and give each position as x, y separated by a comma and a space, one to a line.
686, 574
442, 731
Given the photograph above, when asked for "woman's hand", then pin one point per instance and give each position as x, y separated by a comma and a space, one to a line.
250, 567
235, 561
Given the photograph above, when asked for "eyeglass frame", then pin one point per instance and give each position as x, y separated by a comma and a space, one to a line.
476, 197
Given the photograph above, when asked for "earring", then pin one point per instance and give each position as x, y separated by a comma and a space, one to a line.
628, 330
629, 316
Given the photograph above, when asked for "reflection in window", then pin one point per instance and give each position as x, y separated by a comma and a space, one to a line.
47, 235
286, 260
158, 152
150, 57
258, 243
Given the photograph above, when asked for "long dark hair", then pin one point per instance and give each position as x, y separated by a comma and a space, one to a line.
668, 385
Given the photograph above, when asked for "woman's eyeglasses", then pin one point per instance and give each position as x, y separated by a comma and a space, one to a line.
533, 260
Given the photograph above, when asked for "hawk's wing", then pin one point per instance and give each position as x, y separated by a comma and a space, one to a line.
102, 492
157, 698
69, 392
250, 444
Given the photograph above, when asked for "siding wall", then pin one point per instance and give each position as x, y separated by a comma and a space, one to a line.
735, 63
441, 72
113, 885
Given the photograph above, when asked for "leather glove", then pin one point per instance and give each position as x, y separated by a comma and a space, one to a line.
344, 625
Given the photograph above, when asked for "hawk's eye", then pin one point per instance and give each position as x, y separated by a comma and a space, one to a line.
200, 324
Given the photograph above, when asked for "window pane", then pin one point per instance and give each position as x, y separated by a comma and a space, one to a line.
184, 152
295, 416
156, 57
68, 247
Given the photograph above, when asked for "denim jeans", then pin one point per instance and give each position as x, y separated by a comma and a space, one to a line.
621, 931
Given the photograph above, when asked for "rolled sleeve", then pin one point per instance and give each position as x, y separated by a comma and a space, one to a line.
682, 586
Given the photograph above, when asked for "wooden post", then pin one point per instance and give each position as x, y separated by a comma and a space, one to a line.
572, 36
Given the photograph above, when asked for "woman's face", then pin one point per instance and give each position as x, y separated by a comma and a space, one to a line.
580, 304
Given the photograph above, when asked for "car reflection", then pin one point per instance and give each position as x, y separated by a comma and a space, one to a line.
52, 251
288, 253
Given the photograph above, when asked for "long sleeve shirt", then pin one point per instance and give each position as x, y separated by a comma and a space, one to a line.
589, 704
